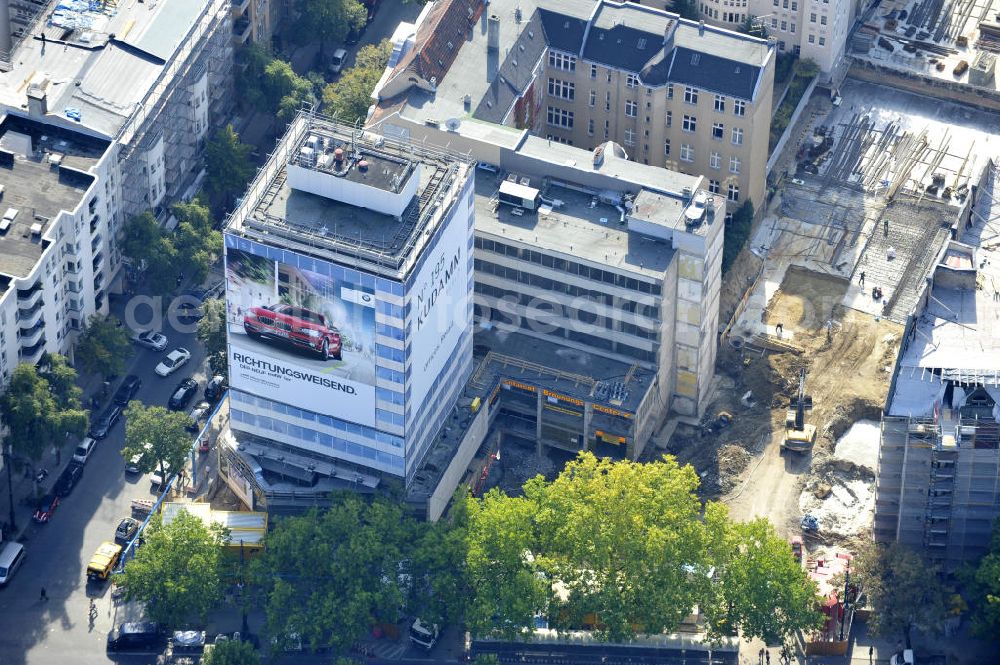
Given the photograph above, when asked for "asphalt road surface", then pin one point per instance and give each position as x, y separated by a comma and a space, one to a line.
57, 631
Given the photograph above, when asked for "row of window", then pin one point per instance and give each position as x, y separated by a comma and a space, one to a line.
687, 154
569, 267
562, 89
364, 454
505, 319
334, 423
733, 193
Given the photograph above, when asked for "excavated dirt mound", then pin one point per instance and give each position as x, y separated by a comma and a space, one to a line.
841, 495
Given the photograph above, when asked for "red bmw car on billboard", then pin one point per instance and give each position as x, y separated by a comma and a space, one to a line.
297, 326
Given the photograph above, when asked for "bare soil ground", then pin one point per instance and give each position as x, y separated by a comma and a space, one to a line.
848, 366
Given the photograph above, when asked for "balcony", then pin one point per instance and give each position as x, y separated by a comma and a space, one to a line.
28, 297
31, 336
95, 223
242, 31
28, 316
32, 354
240, 7
97, 261
95, 244
98, 281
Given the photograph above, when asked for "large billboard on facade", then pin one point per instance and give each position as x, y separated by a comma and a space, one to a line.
439, 305
300, 335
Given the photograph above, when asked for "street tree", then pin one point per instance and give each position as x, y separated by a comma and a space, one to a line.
231, 652
212, 334
328, 576
983, 584
152, 252
55, 369
159, 435
761, 590
329, 21
436, 588
34, 416
253, 59
903, 588
736, 234
197, 241
104, 346
227, 165
179, 571
349, 97
284, 90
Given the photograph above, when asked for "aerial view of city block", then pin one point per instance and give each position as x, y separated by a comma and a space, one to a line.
552, 332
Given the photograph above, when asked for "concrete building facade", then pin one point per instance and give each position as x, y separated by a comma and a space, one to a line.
372, 238
77, 161
253, 22
688, 97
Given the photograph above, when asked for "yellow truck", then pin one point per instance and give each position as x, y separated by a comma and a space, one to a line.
103, 561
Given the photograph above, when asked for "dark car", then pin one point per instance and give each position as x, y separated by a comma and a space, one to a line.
46, 506
136, 638
183, 393
190, 311
215, 388
126, 391
300, 327
126, 529
68, 480
102, 426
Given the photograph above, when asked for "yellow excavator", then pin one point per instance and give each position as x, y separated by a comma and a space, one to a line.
799, 435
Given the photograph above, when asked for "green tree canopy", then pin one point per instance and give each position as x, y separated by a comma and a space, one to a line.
983, 584
104, 346
35, 418
197, 241
179, 571
55, 369
253, 59
761, 589
349, 97
164, 432
152, 251
284, 90
903, 588
231, 652
736, 234
624, 547
329, 576
329, 21
227, 164
212, 333
437, 591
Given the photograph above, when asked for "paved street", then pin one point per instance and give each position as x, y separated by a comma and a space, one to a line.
58, 631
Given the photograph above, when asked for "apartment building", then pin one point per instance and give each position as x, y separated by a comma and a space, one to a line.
254, 21
78, 160
814, 29
348, 273
673, 93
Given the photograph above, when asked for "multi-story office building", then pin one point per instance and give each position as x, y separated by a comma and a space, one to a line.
814, 29
348, 273
673, 93
102, 116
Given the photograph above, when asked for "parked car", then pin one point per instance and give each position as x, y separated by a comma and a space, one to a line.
151, 340
68, 479
187, 642
215, 388
102, 427
197, 415
190, 311
139, 638
337, 61
82, 452
173, 361
127, 390
423, 634
126, 529
103, 562
156, 478
182, 394
46, 506
132, 464
300, 327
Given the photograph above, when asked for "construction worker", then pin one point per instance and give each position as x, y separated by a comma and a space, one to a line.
862, 279
779, 328
885, 227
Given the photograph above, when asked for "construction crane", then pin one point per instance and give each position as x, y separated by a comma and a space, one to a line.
799, 435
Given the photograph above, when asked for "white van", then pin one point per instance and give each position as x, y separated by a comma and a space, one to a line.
11, 557
337, 61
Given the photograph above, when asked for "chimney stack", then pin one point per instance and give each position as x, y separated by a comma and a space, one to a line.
701, 27
493, 33
38, 99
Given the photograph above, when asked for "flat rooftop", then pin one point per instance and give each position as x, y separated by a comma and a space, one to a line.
38, 189
95, 66
274, 212
579, 228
